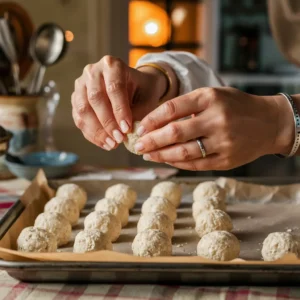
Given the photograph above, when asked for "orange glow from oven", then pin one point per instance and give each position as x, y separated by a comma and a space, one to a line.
149, 24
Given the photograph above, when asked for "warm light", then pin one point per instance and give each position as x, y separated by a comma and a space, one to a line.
69, 36
178, 16
151, 28
149, 24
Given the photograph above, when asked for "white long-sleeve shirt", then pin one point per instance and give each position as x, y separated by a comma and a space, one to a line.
192, 72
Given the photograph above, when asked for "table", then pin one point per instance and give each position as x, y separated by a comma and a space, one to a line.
11, 289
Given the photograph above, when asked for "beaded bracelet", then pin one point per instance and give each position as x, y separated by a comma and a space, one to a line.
297, 127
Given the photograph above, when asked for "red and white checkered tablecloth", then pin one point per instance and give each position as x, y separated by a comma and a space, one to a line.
11, 288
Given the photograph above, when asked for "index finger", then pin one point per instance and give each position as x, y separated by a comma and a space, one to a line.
172, 110
115, 78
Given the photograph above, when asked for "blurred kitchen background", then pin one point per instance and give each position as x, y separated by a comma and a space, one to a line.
233, 36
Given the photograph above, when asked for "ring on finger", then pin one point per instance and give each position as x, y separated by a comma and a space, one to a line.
201, 146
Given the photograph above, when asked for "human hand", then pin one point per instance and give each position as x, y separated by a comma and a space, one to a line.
109, 94
235, 128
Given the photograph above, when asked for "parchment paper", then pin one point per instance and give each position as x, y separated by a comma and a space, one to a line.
255, 210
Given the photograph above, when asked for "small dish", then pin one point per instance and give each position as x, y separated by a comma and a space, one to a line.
54, 164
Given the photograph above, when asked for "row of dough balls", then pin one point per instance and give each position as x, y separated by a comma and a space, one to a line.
213, 224
53, 227
155, 227
103, 226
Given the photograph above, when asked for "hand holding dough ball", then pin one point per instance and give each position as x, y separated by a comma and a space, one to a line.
114, 207
57, 224
73, 191
123, 193
277, 244
219, 245
157, 221
160, 204
212, 220
91, 240
152, 242
207, 204
33, 239
169, 190
106, 222
65, 206
209, 189
132, 138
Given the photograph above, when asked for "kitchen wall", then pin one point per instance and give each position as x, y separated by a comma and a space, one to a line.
99, 27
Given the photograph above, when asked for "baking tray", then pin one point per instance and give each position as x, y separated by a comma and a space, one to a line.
144, 272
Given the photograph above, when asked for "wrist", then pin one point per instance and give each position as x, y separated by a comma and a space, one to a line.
157, 81
285, 126
167, 82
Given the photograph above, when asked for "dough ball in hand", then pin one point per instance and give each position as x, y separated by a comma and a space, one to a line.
209, 189
73, 191
132, 138
123, 193
169, 190
57, 224
105, 222
277, 244
159, 204
32, 239
212, 220
219, 245
157, 221
152, 242
65, 206
207, 204
114, 207
91, 240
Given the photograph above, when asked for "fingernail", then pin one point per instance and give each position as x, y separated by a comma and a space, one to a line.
118, 136
147, 157
140, 131
124, 126
138, 146
106, 147
110, 142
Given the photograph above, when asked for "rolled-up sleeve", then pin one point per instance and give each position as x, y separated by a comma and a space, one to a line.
192, 72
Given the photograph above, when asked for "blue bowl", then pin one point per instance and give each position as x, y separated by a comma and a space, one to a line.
54, 164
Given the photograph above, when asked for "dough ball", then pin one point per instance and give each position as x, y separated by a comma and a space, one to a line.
114, 207
277, 244
33, 239
212, 220
73, 191
123, 193
209, 189
207, 204
160, 204
65, 206
152, 242
219, 245
105, 222
91, 240
56, 224
157, 221
169, 190
132, 138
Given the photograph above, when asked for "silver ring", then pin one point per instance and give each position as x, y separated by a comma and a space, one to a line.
201, 146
